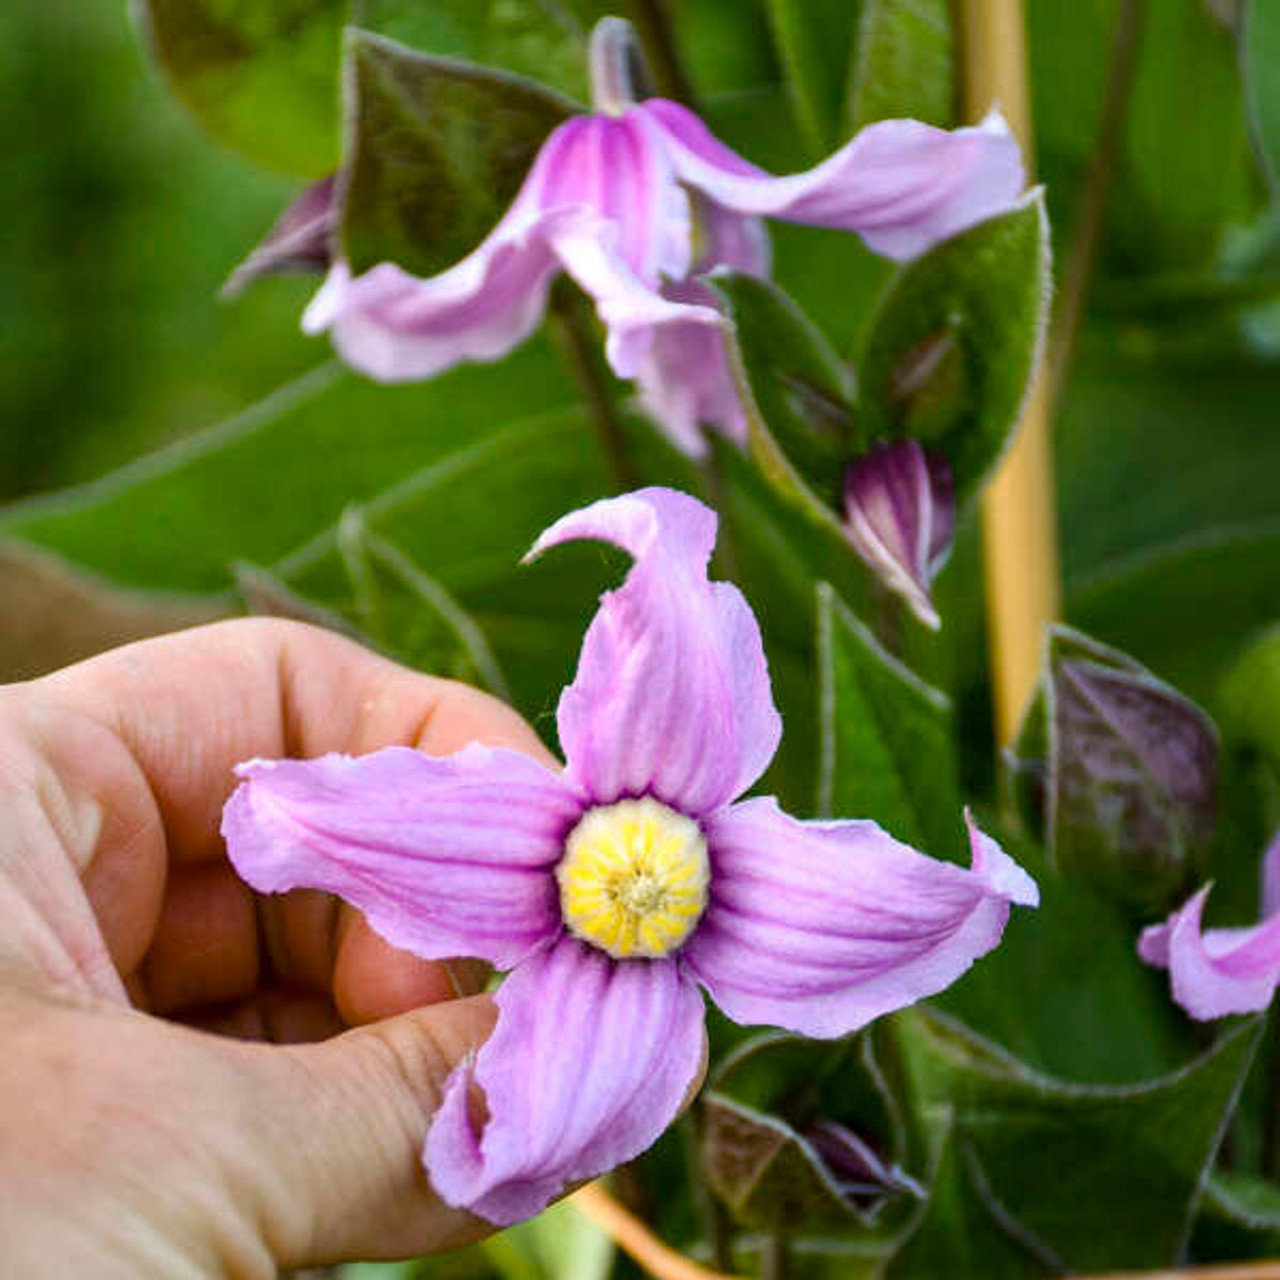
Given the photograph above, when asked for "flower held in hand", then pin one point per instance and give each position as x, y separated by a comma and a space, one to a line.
616, 888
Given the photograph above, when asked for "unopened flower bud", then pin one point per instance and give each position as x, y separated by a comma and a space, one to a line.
1129, 773
864, 1178
900, 512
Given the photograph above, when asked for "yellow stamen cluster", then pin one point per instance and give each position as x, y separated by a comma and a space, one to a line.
633, 879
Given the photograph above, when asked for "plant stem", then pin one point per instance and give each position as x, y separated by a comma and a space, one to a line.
653, 25
1091, 210
584, 360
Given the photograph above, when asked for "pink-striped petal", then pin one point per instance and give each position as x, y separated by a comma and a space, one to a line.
446, 857
903, 186
820, 927
672, 694
1215, 972
686, 383
589, 1063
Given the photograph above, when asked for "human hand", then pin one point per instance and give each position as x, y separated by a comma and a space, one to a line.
132, 1141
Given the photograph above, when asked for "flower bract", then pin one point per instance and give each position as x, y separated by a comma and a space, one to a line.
615, 889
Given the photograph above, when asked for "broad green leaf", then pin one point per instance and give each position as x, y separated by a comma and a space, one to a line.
1250, 697
1093, 1178
956, 1235
1186, 606
795, 390
258, 485
1239, 1218
904, 65
447, 516
1179, 188
1065, 991
259, 75
545, 40
955, 342
886, 739
435, 153
1260, 55
813, 39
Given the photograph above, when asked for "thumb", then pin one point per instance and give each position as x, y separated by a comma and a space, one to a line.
335, 1132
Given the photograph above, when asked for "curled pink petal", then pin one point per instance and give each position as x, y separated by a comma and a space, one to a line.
1215, 972
686, 382
672, 695
588, 1064
901, 185
446, 857
820, 927
1269, 890
633, 313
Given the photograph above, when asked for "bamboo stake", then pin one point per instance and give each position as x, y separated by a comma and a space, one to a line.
634, 1237
1020, 545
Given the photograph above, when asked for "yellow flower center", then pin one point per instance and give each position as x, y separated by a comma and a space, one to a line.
633, 879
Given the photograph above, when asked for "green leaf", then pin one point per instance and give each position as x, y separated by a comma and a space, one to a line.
259, 75
886, 738
1186, 605
1250, 697
956, 1234
1065, 991
1092, 1178
795, 390
904, 65
813, 38
435, 154
260, 484
1239, 1218
1259, 57
545, 40
955, 343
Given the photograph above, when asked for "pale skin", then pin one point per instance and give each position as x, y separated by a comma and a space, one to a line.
134, 1141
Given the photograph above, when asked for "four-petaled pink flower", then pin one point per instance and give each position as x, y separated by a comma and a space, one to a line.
614, 199
613, 890
1215, 972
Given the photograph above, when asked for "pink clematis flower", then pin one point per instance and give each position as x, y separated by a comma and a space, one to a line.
614, 199
1216, 972
613, 890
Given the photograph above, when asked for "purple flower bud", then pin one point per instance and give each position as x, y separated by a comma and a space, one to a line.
900, 514
299, 241
864, 1179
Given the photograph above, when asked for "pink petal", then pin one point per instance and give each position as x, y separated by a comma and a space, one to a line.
672, 691
618, 169
901, 185
630, 309
394, 326
446, 857
686, 382
820, 927
589, 1063
1215, 972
